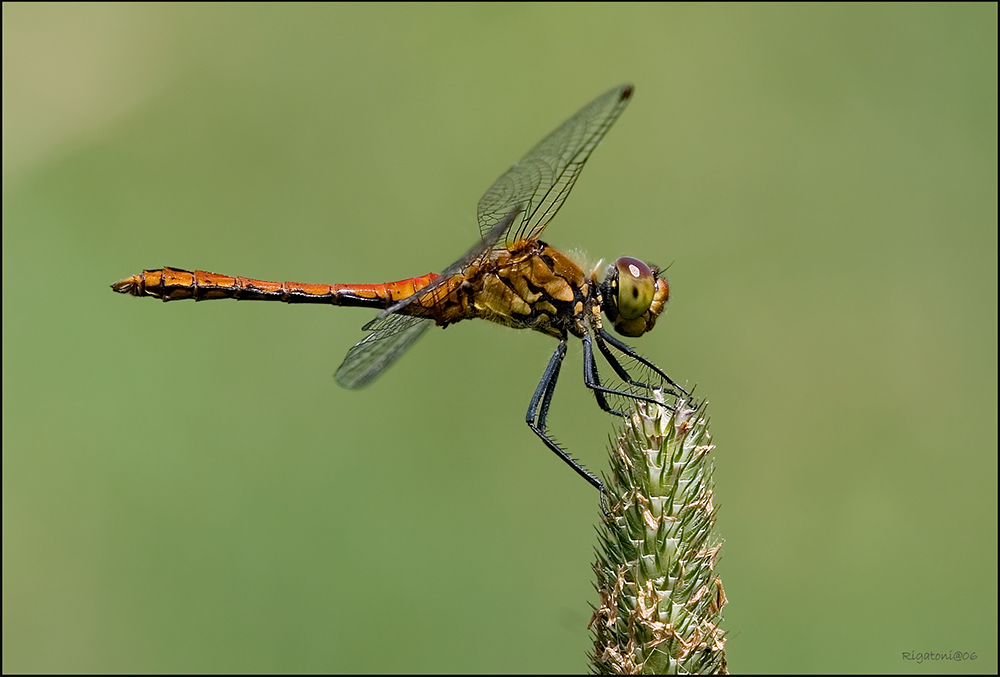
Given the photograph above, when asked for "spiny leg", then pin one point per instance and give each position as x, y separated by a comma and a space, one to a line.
535, 418
617, 366
592, 381
593, 378
625, 348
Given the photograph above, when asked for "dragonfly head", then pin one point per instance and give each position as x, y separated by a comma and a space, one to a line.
633, 296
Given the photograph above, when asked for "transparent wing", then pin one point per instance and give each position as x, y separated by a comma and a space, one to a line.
542, 179
389, 338
474, 254
391, 334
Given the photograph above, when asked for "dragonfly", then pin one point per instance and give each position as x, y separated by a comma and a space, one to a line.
509, 277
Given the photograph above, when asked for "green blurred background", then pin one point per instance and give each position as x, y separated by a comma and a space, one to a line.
185, 488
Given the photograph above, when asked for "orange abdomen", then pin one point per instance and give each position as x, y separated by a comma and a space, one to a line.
173, 284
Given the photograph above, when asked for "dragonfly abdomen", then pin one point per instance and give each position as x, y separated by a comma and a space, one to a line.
174, 284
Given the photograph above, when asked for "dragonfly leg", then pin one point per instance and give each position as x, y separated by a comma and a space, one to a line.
625, 348
538, 411
592, 381
617, 366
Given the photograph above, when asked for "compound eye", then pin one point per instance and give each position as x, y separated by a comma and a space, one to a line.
636, 287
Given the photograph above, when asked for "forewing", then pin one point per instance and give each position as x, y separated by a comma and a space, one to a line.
389, 338
542, 179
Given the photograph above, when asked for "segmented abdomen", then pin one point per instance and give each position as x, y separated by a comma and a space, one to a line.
173, 284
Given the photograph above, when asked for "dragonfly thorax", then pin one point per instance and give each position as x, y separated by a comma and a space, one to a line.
633, 295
